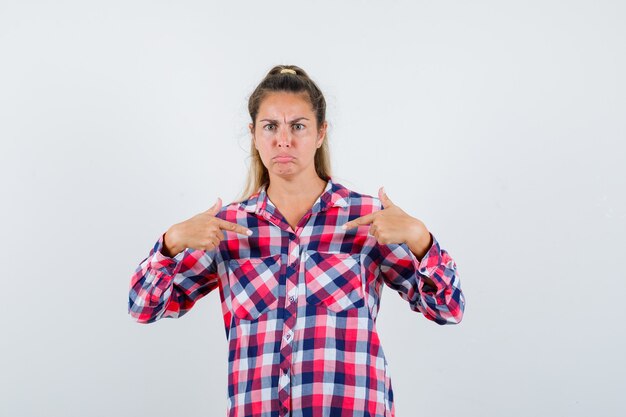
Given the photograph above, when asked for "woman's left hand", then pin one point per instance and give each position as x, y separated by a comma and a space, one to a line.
391, 225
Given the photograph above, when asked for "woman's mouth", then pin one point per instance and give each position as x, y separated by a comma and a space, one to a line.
284, 158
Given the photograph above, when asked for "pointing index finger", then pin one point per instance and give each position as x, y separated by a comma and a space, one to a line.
234, 227
359, 221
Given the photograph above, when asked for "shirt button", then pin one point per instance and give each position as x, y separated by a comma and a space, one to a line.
284, 409
292, 298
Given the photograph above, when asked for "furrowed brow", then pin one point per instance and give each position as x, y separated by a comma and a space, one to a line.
276, 121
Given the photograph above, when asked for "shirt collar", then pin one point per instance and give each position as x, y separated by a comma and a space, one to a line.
333, 195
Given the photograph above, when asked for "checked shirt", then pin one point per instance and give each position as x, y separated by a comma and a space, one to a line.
300, 306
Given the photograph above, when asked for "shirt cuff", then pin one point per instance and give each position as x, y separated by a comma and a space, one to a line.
431, 260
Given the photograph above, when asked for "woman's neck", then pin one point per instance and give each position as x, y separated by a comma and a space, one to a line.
295, 192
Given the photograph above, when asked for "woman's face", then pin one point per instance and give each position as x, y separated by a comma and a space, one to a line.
286, 134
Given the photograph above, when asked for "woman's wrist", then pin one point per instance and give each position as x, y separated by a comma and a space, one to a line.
421, 246
170, 246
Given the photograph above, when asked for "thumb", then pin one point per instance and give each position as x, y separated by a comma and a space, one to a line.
215, 208
382, 195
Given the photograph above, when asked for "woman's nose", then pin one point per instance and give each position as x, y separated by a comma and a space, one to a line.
284, 137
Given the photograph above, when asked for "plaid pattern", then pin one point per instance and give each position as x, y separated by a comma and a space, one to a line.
300, 306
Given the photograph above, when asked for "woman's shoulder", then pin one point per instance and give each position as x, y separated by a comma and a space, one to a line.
235, 210
359, 200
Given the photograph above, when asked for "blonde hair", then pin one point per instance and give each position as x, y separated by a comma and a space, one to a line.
275, 81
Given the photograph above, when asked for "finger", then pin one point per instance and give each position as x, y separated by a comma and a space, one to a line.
359, 221
215, 208
210, 244
233, 227
215, 241
382, 195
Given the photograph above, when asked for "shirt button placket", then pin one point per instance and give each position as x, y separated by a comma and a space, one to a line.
293, 295
291, 309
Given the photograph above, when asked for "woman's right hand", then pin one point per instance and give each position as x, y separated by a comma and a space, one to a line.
203, 231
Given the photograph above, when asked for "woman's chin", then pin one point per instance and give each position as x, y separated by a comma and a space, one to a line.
284, 171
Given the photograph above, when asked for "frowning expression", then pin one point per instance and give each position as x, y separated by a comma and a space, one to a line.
286, 134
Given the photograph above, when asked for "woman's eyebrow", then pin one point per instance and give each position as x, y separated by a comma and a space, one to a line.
276, 121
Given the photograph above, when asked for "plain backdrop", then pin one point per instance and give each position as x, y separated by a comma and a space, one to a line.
501, 125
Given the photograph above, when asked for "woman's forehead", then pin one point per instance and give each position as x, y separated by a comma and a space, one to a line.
285, 104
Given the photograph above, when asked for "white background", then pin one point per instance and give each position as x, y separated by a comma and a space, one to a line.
500, 125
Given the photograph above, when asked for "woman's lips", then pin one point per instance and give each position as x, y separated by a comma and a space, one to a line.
283, 158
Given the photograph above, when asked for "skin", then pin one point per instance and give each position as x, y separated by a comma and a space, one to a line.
392, 225
203, 231
286, 125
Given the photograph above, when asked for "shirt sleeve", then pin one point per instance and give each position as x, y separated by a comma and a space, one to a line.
402, 271
163, 286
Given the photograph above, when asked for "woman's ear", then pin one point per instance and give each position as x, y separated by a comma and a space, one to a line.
321, 137
252, 134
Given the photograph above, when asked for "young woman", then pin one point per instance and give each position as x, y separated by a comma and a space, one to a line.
299, 262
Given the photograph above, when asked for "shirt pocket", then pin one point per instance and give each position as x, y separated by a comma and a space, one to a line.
254, 285
333, 281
